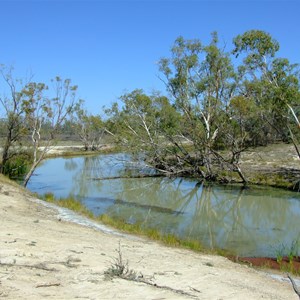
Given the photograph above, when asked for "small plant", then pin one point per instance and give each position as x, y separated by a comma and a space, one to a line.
293, 251
287, 256
280, 253
279, 259
120, 268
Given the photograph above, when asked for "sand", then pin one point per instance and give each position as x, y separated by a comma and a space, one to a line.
45, 256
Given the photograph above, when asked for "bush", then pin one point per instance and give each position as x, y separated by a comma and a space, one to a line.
18, 165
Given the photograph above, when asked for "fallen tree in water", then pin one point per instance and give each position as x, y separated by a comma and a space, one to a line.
128, 176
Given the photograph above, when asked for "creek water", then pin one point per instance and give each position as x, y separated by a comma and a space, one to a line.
250, 222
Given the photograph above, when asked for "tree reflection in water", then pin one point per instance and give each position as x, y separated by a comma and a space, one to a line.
249, 221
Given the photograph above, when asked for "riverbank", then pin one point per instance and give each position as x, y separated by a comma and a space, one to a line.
44, 254
275, 165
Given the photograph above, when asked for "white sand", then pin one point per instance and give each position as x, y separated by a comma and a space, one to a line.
43, 256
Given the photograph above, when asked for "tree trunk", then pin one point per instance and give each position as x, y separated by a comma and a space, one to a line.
5, 155
29, 174
239, 171
33, 167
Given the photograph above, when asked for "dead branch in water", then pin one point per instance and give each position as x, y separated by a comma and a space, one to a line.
129, 177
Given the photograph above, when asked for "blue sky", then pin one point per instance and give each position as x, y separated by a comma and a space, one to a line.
110, 47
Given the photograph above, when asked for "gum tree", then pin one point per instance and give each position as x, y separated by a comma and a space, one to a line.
272, 82
13, 120
133, 123
89, 127
42, 110
201, 81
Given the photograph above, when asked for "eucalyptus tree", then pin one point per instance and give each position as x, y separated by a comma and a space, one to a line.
13, 119
184, 134
214, 110
90, 128
271, 82
134, 119
41, 109
201, 81
138, 126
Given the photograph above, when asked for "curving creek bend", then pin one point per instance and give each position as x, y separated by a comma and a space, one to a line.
249, 222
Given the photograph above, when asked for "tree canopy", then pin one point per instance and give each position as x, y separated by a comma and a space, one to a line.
218, 104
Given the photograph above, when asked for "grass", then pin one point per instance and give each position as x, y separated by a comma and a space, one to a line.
289, 268
70, 203
273, 180
136, 228
152, 233
287, 256
284, 251
170, 240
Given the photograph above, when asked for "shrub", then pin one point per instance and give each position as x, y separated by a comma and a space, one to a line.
18, 165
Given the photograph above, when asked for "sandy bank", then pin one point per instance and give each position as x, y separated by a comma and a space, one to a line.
45, 256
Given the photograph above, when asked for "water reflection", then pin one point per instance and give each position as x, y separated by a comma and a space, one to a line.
248, 221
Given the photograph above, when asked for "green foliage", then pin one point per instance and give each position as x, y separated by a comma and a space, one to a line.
152, 233
272, 82
141, 123
17, 165
286, 257
167, 117
191, 124
257, 44
70, 203
31, 113
90, 128
212, 106
293, 250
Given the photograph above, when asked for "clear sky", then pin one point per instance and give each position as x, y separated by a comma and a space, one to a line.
110, 47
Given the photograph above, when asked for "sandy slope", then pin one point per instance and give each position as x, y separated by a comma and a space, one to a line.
44, 257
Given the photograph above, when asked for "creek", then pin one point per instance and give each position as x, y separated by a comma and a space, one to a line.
255, 221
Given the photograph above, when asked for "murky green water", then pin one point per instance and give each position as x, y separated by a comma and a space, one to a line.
251, 222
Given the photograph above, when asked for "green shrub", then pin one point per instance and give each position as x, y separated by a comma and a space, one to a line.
18, 165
